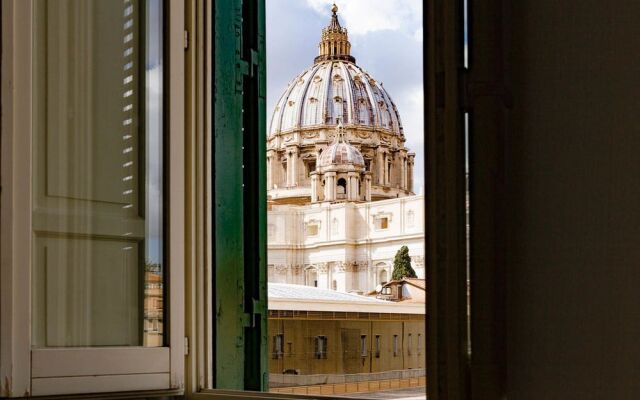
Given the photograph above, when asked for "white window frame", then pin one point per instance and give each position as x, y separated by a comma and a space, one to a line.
54, 371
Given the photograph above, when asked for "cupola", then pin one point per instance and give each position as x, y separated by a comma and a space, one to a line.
341, 153
334, 43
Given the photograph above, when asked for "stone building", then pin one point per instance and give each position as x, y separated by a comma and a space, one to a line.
339, 177
321, 337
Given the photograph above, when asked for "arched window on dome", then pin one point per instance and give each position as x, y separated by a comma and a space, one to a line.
341, 189
339, 106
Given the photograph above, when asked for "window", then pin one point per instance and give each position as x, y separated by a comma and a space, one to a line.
363, 346
381, 220
419, 344
95, 117
320, 347
383, 278
311, 166
312, 230
225, 224
98, 199
341, 189
409, 343
395, 345
312, 227
382, 223
278, 341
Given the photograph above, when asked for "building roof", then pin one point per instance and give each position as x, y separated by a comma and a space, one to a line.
417, 295
417, 282
284, 296
301, 292
421, 283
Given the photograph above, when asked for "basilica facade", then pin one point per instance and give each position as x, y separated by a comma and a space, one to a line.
339, 177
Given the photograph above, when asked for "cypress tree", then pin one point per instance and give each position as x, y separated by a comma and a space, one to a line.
402, 265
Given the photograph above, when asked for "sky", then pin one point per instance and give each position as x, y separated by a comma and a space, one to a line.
386, 40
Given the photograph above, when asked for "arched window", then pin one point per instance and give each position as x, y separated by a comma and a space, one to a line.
341, 190
311, 166
311, 277
383, 277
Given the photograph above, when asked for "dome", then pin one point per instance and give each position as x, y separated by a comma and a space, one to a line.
324, 108
335, 91
340, 153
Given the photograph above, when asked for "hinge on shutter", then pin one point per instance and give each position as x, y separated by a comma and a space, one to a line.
186, 39
186, 346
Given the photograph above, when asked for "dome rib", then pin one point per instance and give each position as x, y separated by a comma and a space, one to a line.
348, 92
303, 102
372, 101
280, 106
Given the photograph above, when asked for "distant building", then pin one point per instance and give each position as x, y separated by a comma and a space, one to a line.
403, 290
325, 333
339, 177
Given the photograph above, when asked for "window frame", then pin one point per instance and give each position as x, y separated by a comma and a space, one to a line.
444, 221
442, 20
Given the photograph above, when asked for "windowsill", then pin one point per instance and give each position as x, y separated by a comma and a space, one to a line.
239, 394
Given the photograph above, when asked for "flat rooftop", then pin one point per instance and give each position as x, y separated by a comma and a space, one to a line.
284, 296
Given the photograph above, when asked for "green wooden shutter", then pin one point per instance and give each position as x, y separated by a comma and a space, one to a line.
239, 196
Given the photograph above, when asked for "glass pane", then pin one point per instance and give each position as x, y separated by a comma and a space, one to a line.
98, 258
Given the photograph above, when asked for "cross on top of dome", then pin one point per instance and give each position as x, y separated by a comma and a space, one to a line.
335, 24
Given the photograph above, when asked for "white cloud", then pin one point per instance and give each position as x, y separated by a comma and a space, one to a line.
366, 16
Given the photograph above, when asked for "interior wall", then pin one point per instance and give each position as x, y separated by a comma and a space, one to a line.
573, 192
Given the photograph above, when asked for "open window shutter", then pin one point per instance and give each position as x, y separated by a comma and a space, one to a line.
239, 196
